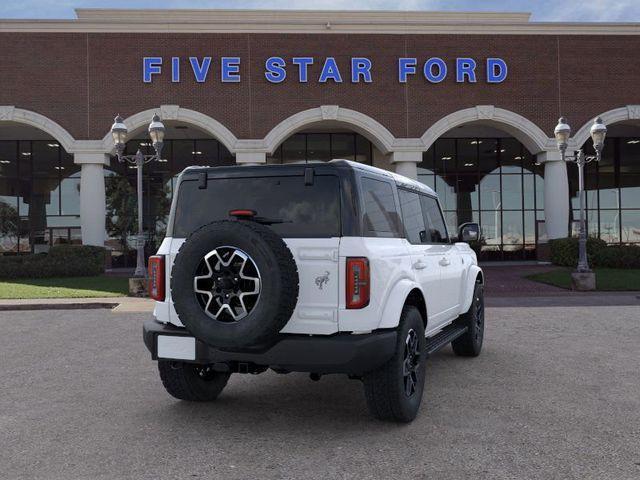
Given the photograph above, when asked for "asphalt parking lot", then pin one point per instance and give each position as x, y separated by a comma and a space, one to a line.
555, 394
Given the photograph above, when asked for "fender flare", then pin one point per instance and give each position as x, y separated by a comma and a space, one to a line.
469, 286
395, 302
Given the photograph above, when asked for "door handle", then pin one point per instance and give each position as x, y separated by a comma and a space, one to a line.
419, 265
444, 261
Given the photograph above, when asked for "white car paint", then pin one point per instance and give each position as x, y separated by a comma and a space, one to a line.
445, 274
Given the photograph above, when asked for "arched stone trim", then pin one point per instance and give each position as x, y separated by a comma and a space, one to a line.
382, 138
531, 136
177, 113
629, 112
9, 113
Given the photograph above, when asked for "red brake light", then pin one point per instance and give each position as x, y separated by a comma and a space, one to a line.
156, 277
242, 213
358, 282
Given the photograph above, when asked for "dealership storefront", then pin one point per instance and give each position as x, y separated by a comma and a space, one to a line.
465, 103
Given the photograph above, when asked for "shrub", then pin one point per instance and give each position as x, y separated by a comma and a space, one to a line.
61, 261
564, 251
618, 256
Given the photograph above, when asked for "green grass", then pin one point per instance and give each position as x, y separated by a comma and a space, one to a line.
72, 287
607, 279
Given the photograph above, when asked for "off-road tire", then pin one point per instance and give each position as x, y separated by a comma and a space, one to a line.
470, 344
385, 388
190, 382
278, 287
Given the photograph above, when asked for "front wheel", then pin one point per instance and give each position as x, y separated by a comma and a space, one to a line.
394, 391
191, 382
470, 344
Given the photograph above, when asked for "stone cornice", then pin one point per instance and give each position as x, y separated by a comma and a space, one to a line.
297, 21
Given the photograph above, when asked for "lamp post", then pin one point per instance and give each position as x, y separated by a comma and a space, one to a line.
156, 132
562, 133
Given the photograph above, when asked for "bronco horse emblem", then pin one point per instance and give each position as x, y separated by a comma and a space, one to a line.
321, 280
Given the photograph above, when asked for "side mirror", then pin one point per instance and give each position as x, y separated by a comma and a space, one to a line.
469, 232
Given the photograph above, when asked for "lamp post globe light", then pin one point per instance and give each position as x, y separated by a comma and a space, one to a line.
583, 278
119, 133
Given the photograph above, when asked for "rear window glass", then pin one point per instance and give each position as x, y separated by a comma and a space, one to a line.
300, 210
380, 214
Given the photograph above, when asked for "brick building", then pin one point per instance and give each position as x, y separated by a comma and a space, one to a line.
465, 102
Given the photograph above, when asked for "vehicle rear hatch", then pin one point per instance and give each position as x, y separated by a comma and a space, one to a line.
301, 206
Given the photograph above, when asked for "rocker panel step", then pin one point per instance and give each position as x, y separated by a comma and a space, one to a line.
444, 338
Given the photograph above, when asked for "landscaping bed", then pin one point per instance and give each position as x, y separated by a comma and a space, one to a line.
607, 279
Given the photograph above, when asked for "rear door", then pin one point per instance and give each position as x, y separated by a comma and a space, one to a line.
444, 253
424, 256
305, 212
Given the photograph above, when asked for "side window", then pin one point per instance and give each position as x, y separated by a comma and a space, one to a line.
412, 217
433, 219
380, 215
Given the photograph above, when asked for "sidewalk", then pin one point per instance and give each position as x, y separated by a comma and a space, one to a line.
116, 304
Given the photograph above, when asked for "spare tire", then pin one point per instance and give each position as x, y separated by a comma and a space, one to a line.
234, 284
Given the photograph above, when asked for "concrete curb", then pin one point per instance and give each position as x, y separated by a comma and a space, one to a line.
57, 306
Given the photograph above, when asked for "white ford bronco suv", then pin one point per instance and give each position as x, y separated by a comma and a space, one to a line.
323, 268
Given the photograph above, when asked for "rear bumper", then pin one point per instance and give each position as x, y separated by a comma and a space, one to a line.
339, 353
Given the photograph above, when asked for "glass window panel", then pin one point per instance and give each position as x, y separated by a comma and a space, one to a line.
592, 222
529, 227
490, 192
380, 214
629, 155
294, 149
433, 220
512, 192
45, 158
512, 229
24, 159
9, 191
59, 236
67, 167
70, 195
39, 198
491, 224
455, 219
606, 165
445, 155
467, 192
446, 193
630, 226
608, 196
412, 217
610, 226
76, 236
343, 145
8, 159
528, 191
428, 180
226, 157
363, 150
511, 156
539, 192
529, 163
206, 152
9, 218
428, 160
467, 155
182, 155
276, 157
318, 147
630, 197
64, 221
488, 155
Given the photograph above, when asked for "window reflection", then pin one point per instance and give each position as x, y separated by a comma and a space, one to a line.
493, 181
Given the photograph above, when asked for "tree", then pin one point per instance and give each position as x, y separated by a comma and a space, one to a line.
122, 210
9, 221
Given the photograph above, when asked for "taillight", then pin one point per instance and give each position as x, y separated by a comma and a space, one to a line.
358, 282
156, 277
